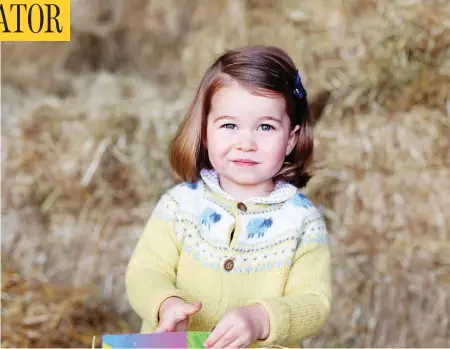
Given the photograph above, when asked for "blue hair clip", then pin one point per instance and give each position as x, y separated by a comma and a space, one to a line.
299, 90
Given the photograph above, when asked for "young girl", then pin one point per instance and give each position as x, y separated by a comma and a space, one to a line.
236, 249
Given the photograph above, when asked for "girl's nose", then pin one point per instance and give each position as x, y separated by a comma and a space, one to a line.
246, 142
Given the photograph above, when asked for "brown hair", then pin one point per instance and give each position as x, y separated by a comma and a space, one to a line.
264, 70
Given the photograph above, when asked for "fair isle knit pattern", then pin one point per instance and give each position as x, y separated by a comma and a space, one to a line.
277, 244
268, 238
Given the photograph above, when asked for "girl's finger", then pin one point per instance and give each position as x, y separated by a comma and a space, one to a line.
240, 342
187, 311
231, 336
179, 316
166, 326
194, 308
181, 326
217, 334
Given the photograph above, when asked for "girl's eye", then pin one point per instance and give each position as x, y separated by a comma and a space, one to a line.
229, 126
266, 127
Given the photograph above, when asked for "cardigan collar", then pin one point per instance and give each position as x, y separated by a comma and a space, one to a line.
282, 191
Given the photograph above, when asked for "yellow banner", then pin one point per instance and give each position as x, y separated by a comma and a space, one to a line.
34, 20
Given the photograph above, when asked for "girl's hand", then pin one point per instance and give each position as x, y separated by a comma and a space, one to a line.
174, 313
239, 328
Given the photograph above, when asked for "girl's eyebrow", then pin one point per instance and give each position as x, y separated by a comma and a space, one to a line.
273, 118
220, 117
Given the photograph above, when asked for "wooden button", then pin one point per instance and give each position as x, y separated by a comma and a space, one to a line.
242, 206
228, 265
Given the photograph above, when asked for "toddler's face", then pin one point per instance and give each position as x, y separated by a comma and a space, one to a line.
248, 136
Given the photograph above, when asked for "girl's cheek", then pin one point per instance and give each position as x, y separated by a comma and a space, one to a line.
271, 143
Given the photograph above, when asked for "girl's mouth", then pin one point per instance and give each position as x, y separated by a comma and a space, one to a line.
245, 162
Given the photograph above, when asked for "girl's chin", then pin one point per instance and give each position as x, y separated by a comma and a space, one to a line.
247, 178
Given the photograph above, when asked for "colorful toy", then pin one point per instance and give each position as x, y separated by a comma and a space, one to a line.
156, 340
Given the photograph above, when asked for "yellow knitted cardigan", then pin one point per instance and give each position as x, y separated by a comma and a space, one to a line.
202, 245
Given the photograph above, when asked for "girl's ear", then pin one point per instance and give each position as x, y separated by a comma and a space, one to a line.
293, 139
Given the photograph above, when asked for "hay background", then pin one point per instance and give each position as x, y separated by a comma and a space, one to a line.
85, 127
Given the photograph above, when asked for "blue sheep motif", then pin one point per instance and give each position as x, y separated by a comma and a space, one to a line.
301, 200
209, 217
258, 226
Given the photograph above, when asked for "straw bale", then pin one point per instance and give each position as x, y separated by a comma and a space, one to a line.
39, 314
29, 65
396, 59
212, 34
84, 158
87, 142
143, 36
162, 40
105, 35
83, 173
385, 196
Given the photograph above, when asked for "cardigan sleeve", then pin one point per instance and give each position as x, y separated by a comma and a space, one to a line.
151, 271
304, 308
